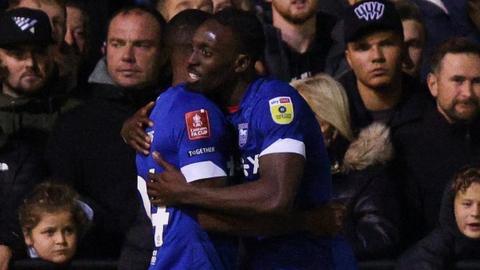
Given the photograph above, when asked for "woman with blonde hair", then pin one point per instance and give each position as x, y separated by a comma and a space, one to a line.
358, 169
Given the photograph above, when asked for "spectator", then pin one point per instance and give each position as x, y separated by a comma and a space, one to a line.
377, 89
414, 36
360, 178
169, 8
434, 145
65, 59
86, 150
457, 237
76, 34
53, 221
444, 19
299, 41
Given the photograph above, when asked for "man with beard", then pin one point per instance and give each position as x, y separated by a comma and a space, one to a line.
298, 42
66, 60
432, 147
86, 151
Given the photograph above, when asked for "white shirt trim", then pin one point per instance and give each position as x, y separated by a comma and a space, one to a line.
285, 146
202, 170
439, 4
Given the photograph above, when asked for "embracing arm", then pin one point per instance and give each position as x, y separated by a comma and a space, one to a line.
272, 194
323, 220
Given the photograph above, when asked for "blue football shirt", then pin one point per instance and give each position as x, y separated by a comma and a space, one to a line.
191, 133
274, 118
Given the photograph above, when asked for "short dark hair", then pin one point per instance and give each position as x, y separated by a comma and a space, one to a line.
454, 45
408, 11
143, 9
183, 25
464, 178
49, 197
247, 28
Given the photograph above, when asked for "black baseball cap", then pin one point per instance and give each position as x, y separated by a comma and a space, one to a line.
367, 16
24, 25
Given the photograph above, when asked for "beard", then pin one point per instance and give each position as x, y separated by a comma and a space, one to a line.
465, 116
298, 19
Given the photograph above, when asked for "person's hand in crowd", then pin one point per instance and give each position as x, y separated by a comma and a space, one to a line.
133, 129
5, 256
165, 188
325, 220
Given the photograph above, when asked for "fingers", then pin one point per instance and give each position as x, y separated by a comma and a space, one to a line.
152, 190
145, 110
159, 159
157, 202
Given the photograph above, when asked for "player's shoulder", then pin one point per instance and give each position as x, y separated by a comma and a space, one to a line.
269, 89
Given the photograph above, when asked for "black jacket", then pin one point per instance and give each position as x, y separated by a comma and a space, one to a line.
443, 247
87, 151
280, 59
411, 105
21, 168
429, 152
369, 194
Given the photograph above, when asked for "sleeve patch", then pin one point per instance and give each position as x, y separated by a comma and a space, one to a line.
281, 109
198, 125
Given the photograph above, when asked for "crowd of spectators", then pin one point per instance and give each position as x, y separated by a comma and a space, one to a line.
394, 86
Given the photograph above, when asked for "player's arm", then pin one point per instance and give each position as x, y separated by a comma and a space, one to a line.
272, 194
323, 220
133, 129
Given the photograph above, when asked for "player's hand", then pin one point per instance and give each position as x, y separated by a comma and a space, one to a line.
133, 129
5, 256
166, 188
326, 220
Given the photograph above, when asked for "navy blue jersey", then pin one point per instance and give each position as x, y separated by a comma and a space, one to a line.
274, 118
190, 132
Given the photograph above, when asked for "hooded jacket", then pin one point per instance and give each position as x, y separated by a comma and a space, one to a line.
87, 152
363, 185
444, 246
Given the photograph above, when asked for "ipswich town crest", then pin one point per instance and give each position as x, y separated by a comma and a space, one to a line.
242, 134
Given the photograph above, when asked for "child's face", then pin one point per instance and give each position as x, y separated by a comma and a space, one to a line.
54, 238
467, 211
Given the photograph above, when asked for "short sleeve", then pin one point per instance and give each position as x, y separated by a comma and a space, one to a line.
278, 119
201, 137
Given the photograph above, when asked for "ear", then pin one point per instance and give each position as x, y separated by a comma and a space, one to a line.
242, 63
27, 237
432, 82
347, 56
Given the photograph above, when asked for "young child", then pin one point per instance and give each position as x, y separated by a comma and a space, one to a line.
52, 220
457, 237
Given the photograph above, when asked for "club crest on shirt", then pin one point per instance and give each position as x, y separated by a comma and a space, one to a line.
281, 109
242, 134
198, 125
